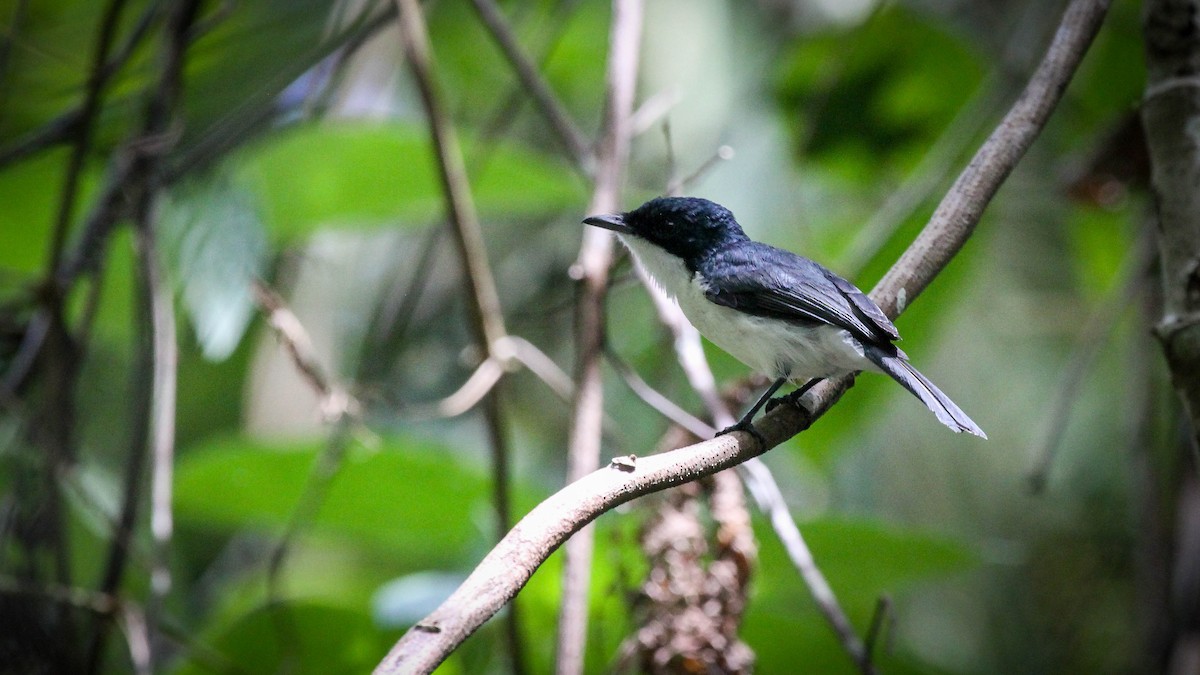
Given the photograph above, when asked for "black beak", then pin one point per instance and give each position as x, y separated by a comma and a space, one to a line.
609, 221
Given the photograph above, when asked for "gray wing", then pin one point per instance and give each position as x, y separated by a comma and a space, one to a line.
765, 281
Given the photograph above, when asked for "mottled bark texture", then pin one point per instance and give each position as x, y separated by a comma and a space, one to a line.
691, 603
1171, 115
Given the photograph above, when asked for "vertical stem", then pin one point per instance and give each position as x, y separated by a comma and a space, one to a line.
162, 438
595, 258
145, 156
487, 318
1170, 116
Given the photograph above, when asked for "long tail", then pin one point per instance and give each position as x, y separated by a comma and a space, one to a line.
902, 371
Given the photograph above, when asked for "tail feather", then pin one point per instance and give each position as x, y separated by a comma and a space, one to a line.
947, 412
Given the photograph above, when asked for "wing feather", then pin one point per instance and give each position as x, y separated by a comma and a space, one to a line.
765, 281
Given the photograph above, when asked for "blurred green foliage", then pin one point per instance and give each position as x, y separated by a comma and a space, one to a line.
304, 160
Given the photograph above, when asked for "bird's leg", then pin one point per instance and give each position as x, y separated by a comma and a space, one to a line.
744, 423
794, 397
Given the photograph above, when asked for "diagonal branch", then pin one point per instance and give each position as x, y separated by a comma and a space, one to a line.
509, 565
552, 109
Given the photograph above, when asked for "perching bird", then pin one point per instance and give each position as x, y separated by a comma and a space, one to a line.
777, 312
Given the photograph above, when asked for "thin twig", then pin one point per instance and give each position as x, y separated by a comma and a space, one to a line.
507, 107
769, 498
593, 263
80, 598
487, 318
146, 155
88, 112
137, 637
1092, 338
882, 617
294, 336
390, 322
162, 438
71, 122
655, 399
933, 168
341, 410
531, 78
509, 565
723, 154
511, 351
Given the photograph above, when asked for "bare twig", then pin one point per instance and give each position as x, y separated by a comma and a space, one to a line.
72, 121
83, 131
655, 399
593, 263
531, 78
162, 438
137, 637
769, 498
486, 315
294, 338
146, 155
509, 565
882, 618
505, 111
390, 323
82, 598
937, 163
341, 410
1092, 338
677, 186
510, 352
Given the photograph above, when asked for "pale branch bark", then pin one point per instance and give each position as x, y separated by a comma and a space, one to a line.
1170, 116
162, 439
294, 337
487, 319
509, 565
510, 352
769, 498
592, 265
556, 114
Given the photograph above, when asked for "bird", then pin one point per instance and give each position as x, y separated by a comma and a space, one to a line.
778, 312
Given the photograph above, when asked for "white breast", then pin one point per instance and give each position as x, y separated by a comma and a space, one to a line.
769, 346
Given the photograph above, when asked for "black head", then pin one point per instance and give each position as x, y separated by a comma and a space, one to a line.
687, 227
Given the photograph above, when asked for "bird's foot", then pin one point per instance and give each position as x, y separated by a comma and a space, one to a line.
747, 427
788, 399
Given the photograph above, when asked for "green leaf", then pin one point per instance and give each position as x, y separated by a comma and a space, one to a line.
879, 102
327, 175
298, 637
862, 560
31, 192
215, 242
411, 498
